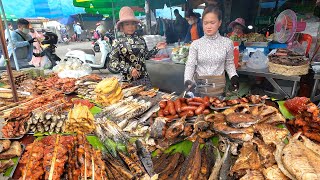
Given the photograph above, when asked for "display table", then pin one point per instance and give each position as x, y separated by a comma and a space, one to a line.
313, 96
170, 76
271, 78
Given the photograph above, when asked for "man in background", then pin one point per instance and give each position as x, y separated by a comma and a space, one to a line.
78, 31
180, 25
22, 43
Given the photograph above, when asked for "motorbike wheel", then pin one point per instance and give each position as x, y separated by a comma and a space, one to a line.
96, 48
112, 70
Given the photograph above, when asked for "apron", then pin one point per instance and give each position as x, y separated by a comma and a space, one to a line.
210, 85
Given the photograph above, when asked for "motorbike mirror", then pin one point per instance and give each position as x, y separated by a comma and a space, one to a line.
250, 27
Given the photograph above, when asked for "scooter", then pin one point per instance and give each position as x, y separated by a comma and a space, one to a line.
88, 56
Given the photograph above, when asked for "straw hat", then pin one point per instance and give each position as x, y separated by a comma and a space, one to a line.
238, 21
126, 14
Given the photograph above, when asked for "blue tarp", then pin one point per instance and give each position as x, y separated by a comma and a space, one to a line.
40, 8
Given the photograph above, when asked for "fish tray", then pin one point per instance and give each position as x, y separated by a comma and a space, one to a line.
227, 107
16, 162
2, 123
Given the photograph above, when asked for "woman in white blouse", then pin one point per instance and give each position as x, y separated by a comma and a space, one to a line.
209, 58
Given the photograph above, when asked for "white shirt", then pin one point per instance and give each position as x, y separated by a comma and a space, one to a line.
210, 55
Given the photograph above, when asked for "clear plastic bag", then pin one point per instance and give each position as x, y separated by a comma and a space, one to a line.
258, 61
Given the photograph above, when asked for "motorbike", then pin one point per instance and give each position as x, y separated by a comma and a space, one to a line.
95, 46
88, 56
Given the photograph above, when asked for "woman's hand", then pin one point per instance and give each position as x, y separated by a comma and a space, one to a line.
135, 73
235, 83
161, 45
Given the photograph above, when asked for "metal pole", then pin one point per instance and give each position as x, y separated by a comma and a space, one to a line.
114, 21
148, 16
10, 40
7, 59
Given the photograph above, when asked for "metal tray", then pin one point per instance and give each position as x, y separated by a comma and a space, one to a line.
1, 135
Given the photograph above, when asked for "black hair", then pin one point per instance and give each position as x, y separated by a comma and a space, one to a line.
9, 24
176, 11
213, 9
22, 21
191, 14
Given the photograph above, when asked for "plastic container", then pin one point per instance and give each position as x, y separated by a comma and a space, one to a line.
236, 54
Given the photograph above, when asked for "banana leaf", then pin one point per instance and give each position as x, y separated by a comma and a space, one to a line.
284, 111
95, 110
8, 172
96, 143
2, 84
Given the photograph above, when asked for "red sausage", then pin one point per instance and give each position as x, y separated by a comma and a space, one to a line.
199, 99
187, 108
182, 100
187, 113
163, 104
189, 100
160, 113
206, 112
166, 110
172, 110
183, 105
200, 109
207, 101
192, 103
177, 105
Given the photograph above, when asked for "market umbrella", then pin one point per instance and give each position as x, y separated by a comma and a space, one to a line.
154, 4
67, 20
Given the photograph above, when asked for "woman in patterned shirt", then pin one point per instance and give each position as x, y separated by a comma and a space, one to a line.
130, 52
209, 58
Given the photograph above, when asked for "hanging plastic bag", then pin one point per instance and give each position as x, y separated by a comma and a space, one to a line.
258, 61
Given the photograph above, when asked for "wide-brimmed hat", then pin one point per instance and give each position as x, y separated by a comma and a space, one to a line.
126, 14
240, 21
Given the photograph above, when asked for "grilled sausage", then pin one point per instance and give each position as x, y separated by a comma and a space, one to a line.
200, 109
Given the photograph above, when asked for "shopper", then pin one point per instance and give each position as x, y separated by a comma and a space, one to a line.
209, 58
180, 25
78, 31
238, 27
130, 52
8, 30
195, 30
23, 44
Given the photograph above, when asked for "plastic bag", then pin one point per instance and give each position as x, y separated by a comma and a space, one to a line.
45, 63
258, 61
298, 48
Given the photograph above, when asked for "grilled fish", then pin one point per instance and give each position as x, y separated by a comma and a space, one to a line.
222, 127
191, 166
158, 128
276, 118
4, 145
226, 165
266, 153
253, 175
271, 134
171, 166
248, 159
274, 173
175, 129
240, 108
239, 120
145, 158
219, 161
241, 137
311, 145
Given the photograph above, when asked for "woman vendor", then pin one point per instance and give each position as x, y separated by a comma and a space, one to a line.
195, 30
209, 58
238, 27
129, 51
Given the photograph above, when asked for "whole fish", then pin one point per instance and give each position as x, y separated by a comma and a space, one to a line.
191, 166
240, 120
158, 128
253, 175
217, 166
226, 165
274, 172
145, 158
170, 167
149, 113
175, 129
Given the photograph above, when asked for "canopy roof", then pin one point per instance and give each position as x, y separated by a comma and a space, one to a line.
39, 8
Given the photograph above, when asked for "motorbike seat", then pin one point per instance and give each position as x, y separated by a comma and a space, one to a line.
88, 51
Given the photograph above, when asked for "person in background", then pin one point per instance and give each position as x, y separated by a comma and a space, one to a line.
129, 51
195, 30
180, 25
8, 30
36, 61
209, 58
23, 44
238, 27
78, 32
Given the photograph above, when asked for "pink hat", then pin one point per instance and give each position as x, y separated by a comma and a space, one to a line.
238, 21
126, 14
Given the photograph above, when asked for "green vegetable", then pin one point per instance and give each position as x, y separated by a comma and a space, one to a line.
95, 110
96, 143
7, 173
284, 111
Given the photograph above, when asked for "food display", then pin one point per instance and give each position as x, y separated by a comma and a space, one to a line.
80, 120
306, 117
132, 91
8, 151
251, 99
180, 54
16, 121
72, 68
288, 63
18, 77
254, 37
108, 91
48, 157
86, 85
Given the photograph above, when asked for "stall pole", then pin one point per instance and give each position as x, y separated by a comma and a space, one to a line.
9, 36
114, 21
7, 59
148, 16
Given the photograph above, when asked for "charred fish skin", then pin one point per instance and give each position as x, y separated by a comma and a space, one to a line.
175, 129
226, 165
217, 166
191, 166
145, 158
